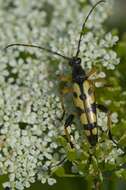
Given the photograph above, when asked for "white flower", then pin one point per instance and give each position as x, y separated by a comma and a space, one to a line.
114, 117
51, 181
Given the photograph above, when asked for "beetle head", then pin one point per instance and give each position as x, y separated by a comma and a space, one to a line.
75, 61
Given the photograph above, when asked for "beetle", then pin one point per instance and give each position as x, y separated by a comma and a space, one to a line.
83, 91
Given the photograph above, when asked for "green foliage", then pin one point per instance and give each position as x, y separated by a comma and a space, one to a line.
60, 172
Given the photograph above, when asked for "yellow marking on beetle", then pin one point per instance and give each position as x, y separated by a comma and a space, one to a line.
83, 119
67, 90
88, 133
88, 89
94, 131
86, 86
86, 104
77, 101
76, 89
92, 117
90, 98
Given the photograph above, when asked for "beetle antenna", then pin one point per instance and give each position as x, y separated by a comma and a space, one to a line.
39, 47
83, 26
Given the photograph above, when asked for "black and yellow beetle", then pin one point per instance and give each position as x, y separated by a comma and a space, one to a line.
83, 92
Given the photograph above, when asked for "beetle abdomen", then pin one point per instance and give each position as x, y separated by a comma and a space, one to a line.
84, 100
91, 133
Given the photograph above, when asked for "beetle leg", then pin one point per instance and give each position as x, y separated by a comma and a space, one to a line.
66, 78
105, 110
63, 108
99, 80
63, 92
103, 83
68, 123
91, 72
67, 90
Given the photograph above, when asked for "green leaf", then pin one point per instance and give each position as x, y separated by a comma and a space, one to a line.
122, 140
109, 167
121, 173
121, 49
60, 172
61, 140
72, 155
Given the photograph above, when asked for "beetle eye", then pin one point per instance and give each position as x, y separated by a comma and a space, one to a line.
75, 61
71, 62
78, 61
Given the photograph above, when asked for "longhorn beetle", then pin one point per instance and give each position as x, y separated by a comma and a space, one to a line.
83, 92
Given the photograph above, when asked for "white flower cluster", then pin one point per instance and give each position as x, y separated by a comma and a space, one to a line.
27, 144
29, 105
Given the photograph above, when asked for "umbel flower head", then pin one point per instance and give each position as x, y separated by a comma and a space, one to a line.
32, 141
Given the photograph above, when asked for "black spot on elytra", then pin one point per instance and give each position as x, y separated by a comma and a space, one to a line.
75, 94
80, 111
93, 139
90, 90
82, 97
93, 107
90, 126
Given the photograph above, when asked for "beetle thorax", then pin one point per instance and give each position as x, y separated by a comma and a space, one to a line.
78, 74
